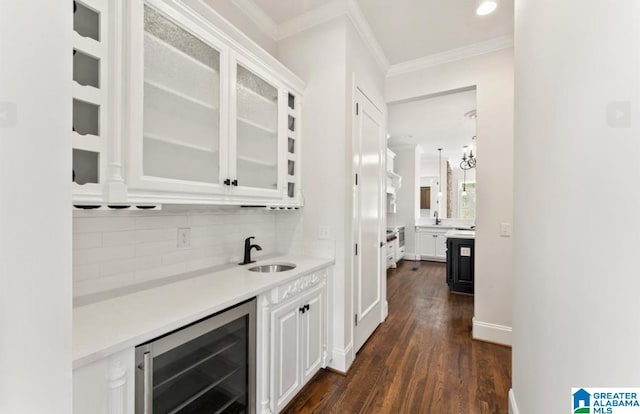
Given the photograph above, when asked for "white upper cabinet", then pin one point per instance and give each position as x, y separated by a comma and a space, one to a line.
178, 119
90, 98
172, 104
257, 143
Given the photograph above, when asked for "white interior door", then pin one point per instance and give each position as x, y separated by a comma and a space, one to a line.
369, 168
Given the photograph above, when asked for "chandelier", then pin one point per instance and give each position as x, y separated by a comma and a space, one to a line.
468, 159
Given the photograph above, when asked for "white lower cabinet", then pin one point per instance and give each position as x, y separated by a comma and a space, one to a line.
432, 244
313, 323
291, 347
295, 328
106, 386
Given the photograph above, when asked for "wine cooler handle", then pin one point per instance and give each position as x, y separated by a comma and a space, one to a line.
147, 363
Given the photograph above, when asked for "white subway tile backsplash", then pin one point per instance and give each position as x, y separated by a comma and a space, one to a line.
102, 254
155, 248
85, 272
87, 240
129, 265
151, 235
102, 224
160, 272
118, 238
117, 249
88, 287
207, 220
156, 222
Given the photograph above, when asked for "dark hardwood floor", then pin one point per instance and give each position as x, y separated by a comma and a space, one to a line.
420, 360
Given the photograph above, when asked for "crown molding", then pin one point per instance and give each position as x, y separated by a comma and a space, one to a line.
331, 11
259, 17
315, 17
465, 52
366, 34
351, 9
406, 146
312, 18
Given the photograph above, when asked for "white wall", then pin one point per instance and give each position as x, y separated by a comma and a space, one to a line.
492, 74
35, 207
318, 56
576, 262
325, 57
114, 250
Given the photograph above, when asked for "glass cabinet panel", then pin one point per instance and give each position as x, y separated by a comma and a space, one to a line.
206, 375
181, 125
256, 131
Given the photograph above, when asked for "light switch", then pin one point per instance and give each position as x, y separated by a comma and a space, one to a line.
505, 229
324, 232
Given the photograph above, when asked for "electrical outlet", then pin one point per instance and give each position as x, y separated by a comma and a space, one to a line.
324, 233
184, 237
505, 229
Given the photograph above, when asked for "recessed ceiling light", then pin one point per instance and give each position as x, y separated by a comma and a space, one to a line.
486, 7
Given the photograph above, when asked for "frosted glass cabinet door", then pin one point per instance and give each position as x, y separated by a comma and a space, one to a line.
256, 131
181, 103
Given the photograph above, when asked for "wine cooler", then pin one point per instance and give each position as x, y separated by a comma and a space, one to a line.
206, 367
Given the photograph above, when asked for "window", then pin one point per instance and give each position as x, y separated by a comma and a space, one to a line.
467, 202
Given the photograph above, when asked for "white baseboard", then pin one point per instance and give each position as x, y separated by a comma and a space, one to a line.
342, 359
410, 256
491, 332
416, 257
513, 407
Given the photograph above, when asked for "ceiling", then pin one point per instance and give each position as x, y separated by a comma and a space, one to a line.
404, 29
434, 123
281, 11
411, 29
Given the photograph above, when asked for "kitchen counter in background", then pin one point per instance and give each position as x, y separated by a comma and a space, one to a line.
460, 234
106, 327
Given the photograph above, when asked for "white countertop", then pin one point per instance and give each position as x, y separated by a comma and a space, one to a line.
442, 226
109, 326
460, 234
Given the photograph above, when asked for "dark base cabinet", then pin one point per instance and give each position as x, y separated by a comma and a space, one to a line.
460, 264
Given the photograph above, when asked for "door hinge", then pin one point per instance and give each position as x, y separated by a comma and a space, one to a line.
356, 249
356, 179
355, 319
357, 108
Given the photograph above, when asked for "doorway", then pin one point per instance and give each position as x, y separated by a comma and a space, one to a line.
369, 149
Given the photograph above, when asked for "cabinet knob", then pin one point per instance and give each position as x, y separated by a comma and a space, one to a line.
306, 307
302, 309
227, 182
234, 183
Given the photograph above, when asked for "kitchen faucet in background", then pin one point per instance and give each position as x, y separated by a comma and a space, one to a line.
435, 214
247, 250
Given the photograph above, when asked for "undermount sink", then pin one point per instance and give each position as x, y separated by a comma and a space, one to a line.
273, 267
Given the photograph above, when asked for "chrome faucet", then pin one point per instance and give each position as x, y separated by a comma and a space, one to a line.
247, 250
435, 214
